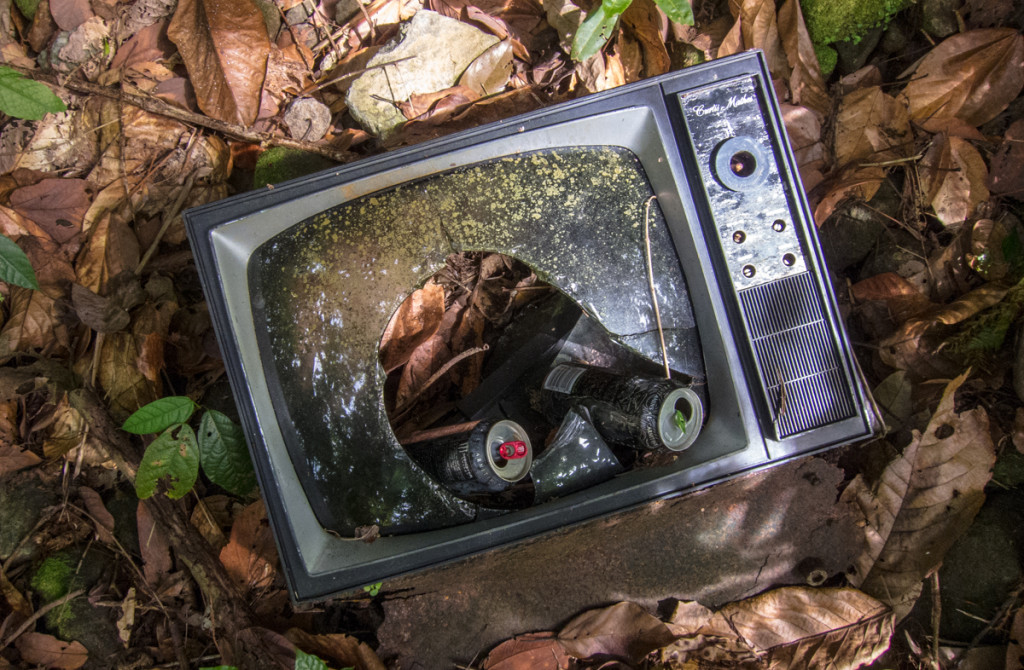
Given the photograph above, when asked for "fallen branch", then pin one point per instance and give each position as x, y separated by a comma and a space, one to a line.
158, 106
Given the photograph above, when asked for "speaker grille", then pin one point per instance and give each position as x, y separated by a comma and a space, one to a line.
797, 361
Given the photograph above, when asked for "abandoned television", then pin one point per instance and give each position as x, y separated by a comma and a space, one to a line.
681, 330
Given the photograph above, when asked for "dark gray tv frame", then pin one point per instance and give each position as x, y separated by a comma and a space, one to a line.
642, 117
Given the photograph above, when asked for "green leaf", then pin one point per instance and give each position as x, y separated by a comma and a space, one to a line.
304, 661
25, 98
678, 11
223, 454
595, 31
15, 267
160, 415
174, 455
373, 589
680, 420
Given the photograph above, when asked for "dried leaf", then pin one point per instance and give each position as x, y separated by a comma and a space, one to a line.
954, 179
153, 545
913, 348
343, 650
1015, 649
127, 619
18, 602
923, 501
1007, 175
102, 519
32, 325
437, 107
57, 205
790, 627
804, 129
424, 361
126, 387
225, 48
858, 184
490, 71
871, 126
99, 313
48, 651
148, 45
111, 250
806, 85
643, 20
902, 297
757, 27
972, 76
412, 325
14, 458
69, 14
250, 556
625, 631
533, 651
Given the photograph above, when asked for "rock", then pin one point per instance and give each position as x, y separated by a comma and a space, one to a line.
23, 499
853, 55
938, 17
429, 55
307, 119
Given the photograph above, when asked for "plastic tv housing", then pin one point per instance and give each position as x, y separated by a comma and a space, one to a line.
302, 278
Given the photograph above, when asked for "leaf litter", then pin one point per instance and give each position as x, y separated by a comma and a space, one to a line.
85, 195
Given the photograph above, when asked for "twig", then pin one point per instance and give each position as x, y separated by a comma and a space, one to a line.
41, 612
157, 106
169, 215
650, 283
435, 433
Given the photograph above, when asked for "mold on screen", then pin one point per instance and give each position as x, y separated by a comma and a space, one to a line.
325, 289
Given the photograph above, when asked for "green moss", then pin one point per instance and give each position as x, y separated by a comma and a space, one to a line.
27, 7
53, 578
827, 59
278, 164
830, 21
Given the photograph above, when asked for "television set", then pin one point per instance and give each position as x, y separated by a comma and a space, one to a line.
677, 195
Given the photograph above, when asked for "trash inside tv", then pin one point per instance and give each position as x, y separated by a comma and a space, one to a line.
664, 322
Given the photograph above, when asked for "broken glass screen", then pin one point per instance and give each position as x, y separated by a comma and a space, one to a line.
324, 290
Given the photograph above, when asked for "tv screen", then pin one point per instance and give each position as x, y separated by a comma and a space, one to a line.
678, 330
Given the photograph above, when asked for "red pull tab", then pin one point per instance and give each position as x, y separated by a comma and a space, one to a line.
512, 450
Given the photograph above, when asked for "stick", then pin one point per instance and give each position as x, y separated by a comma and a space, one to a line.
158, 106
41, 612
435, 433
650, 283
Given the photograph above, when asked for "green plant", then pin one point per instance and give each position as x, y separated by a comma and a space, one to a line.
178, 451
597, 28
680, 420
25, 98
373, 589
15, 267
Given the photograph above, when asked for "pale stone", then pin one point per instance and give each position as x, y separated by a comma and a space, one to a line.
307, 119
429, 55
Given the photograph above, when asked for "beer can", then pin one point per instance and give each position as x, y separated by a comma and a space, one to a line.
497, 454
645, 413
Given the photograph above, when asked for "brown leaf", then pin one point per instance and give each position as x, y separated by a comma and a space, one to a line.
914, 346
225, 48
972, 76
69, 14
112, 249
858, 184
413, 324
490, 71
15, 598
127, 388
953, 179
32, 325
923, 501
902, 298
871, 126
147, 45
643, 20
804, 129
43, 27
67, 430
14, 225
250, 556
343, 650
789, 627
153, 545
102, 519
1015, 649
438, 106
1007, 175
206, 520
806, 85
624, 630
99, 313
424, 361
533, 651
48, 651
757, 27
50, 262
14, 458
